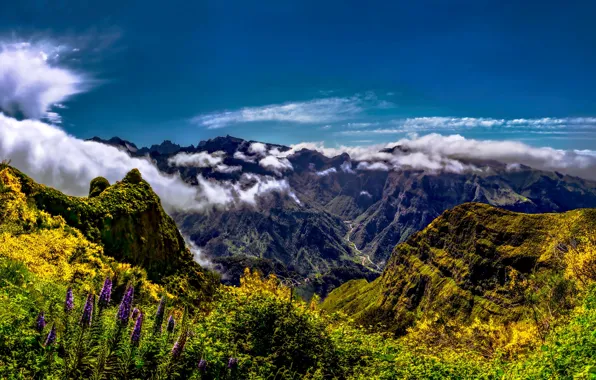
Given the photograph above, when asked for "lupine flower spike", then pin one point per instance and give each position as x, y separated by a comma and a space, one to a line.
171, 324
51, 337
159, 315
40, 323
106, 294
87, 311
203, 365
68, 301
179, 345
232, 363
135, 337
125, 306
135, 314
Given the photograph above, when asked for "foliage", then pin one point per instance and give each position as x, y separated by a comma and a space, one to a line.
97, 186
261, 329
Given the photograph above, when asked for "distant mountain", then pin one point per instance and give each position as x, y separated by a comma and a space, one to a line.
346, 217
475, 261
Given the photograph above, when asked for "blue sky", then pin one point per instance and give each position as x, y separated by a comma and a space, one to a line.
340, 72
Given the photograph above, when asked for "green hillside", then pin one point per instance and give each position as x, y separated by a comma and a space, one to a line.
88, 286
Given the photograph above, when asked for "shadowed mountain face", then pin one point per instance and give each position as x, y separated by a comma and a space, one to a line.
344, 217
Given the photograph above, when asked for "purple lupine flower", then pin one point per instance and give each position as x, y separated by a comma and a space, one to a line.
68, 301
202, 365
159, 315
125, 306
106, 294
232, 363
179, 345
40, 323
171, 324
87, 311
135, 337
135, 314
51, 338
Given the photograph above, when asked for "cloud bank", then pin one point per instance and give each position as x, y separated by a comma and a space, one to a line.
30, 84
455, 153
57, 159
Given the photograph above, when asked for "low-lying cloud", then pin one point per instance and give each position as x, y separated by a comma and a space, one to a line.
197, 160
247, 190
455, 153
203, 160
57, 159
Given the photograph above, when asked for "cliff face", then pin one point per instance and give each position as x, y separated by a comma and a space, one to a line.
474, 261
126, 218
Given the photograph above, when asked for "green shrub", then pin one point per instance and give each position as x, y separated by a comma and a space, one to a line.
97, 186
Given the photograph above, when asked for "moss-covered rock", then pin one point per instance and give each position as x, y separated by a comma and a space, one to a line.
133, 177
97, 186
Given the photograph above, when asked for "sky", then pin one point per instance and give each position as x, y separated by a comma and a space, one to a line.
337, 72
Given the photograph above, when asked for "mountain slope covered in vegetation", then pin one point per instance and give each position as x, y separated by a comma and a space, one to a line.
478, 262
73, 309
349, 219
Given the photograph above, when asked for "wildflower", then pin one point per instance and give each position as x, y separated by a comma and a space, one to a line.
159, 315
106, 293
125, 305
68, 301
179, 345
40, 323
171, 324
135, 314
51, 338
202, 365
87, 311
135, 337
232, 363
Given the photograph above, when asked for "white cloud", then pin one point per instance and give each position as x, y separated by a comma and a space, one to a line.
241, 156
222, 168
276, 164
29, 145
346, 167
199, 255
247, 190
324, 110
257, 148
30, 84
326, 172
454, 153
198, 160
429, 124
364, 165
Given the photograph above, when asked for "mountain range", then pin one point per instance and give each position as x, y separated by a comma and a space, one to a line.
330, 218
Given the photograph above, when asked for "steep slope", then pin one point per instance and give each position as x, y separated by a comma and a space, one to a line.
125, 221
476, 261
385, 208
